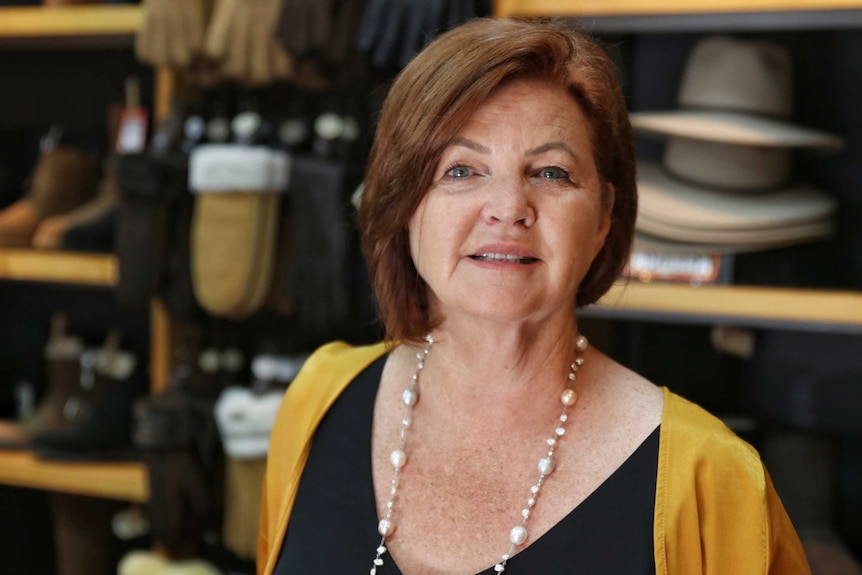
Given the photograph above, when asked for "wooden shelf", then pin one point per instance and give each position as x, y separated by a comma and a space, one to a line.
69, 21
818, 310
662, 16
58, 267
125, 481
659, 7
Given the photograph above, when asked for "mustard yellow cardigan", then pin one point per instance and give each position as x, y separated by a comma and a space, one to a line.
716, 511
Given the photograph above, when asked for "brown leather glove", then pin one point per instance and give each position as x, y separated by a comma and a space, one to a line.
241, 38
172, 33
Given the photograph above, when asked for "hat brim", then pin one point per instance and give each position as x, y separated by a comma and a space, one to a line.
741, 240
732, 128
677, 204
649, 243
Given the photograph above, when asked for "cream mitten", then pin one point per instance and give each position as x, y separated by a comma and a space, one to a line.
234, 226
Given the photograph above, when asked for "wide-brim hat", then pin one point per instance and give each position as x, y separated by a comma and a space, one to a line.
732, 128
680, 211
736, 91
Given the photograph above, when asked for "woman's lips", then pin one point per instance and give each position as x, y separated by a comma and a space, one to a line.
503, 258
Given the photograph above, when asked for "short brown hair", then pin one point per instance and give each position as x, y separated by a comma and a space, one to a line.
428, 104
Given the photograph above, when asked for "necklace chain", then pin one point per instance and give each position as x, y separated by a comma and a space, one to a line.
398, 458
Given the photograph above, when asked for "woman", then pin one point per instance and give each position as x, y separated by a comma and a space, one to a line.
486, 436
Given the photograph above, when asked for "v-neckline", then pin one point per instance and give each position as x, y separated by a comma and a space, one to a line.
368, 474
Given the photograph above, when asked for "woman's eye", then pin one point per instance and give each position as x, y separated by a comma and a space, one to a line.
553, 173
459, 172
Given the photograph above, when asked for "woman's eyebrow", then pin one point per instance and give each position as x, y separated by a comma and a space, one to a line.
552, 146
475, 146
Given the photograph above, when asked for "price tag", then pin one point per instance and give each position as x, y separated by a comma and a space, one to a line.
691, 268
132, 135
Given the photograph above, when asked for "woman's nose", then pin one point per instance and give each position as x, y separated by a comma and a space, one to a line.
509, 203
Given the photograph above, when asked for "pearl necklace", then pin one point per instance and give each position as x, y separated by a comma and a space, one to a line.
398, 458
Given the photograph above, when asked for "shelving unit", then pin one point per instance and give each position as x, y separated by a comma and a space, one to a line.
125, 481
587, 8
814, 310
103, 25
70, 21
96, 270
628, 16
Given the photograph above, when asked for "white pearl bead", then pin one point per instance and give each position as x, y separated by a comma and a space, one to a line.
518, 535
409, 397
546, 465
398, 459
385, 527
581, 343
569, 397
560, 431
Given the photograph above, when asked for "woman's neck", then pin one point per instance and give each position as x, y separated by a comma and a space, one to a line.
474, 362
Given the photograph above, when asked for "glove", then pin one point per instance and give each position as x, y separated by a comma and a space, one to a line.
393, 31
172, 32
345, 27
317, 278
305, 26
241, 37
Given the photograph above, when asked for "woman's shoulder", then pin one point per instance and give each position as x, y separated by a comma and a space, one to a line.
695, 440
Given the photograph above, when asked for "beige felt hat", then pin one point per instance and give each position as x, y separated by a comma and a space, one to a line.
677, 210
737, 92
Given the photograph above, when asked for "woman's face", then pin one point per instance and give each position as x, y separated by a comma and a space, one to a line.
514, 216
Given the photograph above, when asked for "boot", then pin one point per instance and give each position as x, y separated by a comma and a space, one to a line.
62, 402
51, 232
102, 429
64, 178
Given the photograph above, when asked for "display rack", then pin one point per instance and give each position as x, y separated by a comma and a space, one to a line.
764, 307
816, 310
99, 25
124, 481
587, 8
58, 267
69, 21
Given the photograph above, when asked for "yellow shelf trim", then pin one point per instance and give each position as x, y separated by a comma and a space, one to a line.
124, 481
69, 21
58, 267
661, 7
768, 303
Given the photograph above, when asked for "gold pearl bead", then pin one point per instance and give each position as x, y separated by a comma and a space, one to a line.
569, 397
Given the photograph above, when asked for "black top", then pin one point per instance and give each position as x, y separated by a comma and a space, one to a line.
333, 525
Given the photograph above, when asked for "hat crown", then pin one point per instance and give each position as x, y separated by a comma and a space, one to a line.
739, 75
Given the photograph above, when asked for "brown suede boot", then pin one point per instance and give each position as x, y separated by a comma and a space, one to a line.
64, 178
61, 403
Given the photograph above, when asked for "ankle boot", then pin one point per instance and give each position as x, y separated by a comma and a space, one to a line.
62, 402
101, 428
64, 178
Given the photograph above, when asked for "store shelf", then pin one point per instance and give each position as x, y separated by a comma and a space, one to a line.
36, 22
662, 7
692, 16
58, 267
811, 310
125, 481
